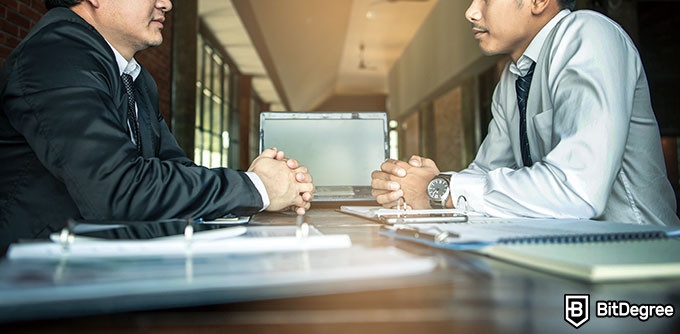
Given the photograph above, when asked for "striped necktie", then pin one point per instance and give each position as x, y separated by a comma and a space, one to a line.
522, 87
132, 115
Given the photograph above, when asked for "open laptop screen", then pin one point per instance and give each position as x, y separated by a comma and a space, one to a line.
340, 148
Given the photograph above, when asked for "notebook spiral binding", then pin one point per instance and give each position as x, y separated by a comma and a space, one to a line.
568, 239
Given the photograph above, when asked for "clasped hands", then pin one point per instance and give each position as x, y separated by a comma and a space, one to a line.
403, 180
288, 184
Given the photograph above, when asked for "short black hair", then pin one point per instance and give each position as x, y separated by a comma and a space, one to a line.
61, 3
567, 4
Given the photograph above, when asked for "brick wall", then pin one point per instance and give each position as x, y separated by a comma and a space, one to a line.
158, 61
17, 17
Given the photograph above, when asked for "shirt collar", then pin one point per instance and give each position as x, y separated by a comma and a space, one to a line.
534, 49
132, 67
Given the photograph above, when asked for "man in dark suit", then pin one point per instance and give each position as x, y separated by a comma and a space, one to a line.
74, 143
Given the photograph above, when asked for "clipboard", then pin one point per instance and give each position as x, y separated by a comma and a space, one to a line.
423, 218
410, 216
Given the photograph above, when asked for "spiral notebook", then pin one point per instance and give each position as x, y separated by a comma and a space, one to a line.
593, 251
480, 232
597, 261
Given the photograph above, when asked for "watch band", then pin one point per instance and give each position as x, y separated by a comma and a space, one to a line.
439, 205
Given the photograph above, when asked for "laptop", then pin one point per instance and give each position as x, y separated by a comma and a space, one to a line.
340, 149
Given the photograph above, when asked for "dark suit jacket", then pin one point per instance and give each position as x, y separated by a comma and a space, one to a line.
65, 147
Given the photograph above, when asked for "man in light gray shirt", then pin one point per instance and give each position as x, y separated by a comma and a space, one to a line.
587, 144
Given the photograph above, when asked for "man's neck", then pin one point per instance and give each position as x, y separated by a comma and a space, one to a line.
539, 19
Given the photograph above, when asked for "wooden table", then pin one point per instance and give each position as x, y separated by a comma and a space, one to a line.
467, 293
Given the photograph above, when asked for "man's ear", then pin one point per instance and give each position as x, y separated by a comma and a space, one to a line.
538, 7
93, 3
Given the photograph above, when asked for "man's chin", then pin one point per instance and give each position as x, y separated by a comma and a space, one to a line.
154, 43
489, 52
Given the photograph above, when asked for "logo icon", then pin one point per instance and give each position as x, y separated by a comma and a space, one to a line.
576, 309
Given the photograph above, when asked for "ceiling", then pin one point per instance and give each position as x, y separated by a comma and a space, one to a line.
303, 52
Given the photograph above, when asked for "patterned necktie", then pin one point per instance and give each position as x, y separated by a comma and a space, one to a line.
132, 115
522, 86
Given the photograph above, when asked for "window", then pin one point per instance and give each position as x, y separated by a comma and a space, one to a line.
394, 139
212, 121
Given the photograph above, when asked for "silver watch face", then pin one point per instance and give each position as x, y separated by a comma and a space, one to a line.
437, 189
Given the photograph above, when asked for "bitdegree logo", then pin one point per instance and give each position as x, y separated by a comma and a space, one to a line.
623, 309
577, 311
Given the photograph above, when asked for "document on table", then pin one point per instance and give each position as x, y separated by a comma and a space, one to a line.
588, 250
480, 232
237, 239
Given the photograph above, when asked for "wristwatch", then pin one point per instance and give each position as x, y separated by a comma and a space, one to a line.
438, 191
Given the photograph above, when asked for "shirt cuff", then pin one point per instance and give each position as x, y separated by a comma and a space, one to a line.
260, 188
472, 187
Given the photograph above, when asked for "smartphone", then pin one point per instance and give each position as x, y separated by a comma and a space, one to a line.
423, 218
129, 230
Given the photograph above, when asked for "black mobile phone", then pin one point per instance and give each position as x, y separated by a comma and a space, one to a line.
423, 218
140, 229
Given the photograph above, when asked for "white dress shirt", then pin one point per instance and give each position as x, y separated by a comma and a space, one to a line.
593, 135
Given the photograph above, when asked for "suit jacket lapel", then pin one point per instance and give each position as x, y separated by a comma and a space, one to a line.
148, 124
